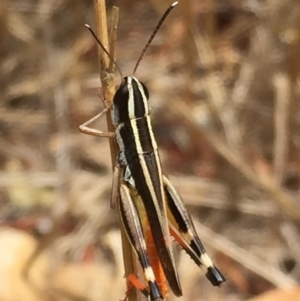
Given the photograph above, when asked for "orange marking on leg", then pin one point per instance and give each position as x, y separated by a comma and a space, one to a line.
134, 282
155, 263
177, 237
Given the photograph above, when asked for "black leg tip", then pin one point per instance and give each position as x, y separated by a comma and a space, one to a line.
215, 276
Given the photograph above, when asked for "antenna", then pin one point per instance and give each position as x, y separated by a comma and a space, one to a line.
162, 19
103, 48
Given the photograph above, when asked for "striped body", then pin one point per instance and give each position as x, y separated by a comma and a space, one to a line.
142, 168
149, 198
150, 207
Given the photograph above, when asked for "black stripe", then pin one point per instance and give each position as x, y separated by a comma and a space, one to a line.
180, 221
153, 214
150, 155
139, 105
156, 179
144, 134
120, 102
154, 220
184, 221
130, 142
128, 139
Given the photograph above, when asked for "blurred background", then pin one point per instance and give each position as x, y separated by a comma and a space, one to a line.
224, 86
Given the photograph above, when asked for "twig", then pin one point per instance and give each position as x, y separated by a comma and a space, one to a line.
113, 36
281, 84
108, 88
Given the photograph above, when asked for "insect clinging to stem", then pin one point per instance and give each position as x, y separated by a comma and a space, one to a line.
150, 207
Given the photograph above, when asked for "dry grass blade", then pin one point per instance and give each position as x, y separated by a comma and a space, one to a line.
108, 88
245, 258
230, 72
282, 134
266, 183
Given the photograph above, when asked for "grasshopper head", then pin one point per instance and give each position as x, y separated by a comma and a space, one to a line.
130, 101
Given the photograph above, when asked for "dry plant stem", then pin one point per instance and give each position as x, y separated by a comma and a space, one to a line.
113, 36
106, 77
281, 144
46, 80
283, 200
216, 91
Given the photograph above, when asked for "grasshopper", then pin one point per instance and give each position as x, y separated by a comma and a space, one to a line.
150, 207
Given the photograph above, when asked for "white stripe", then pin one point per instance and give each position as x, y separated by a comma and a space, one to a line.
131, 98
145, 100
154, 144
149, 275
206, 261
139, 149
131, 105
137, 139
148, 179
147, 175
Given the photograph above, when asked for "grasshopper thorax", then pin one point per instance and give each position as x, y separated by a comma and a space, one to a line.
130, 101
